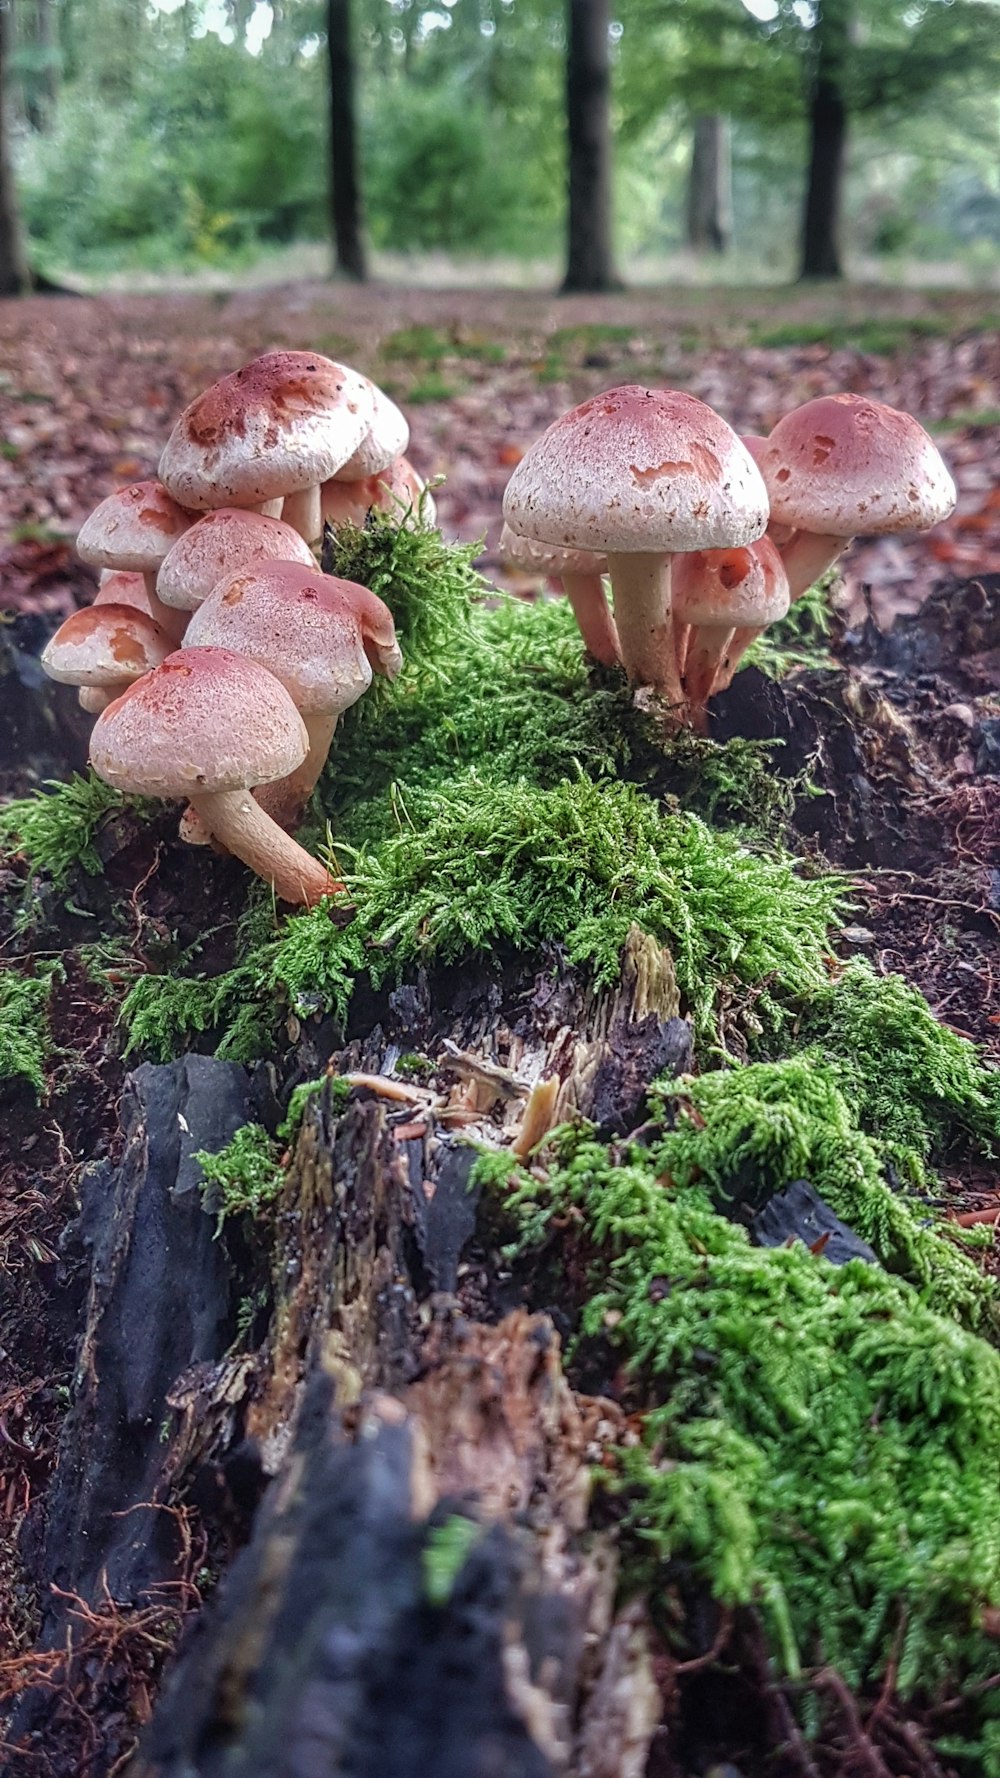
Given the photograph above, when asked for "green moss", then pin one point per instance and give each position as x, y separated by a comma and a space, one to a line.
244, 1178
802, 639
444, 1556
747, 1132
55, 828
815, 1440
25, 1032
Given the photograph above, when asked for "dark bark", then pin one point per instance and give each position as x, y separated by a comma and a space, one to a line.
828, 119
345, 183
14, 276
710, 197
590, 255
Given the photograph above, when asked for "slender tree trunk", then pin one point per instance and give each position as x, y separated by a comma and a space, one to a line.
828, 139
590, 258
14, 276
710, 194
345, 187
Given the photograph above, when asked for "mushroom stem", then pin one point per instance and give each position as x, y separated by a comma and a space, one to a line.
682, 637
706, 654
271, 509
246, 831
304, 513
640, 583
94, 699
806, 556
586, 594
285, 801
168, 617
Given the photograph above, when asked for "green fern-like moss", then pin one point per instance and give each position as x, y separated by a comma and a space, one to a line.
55, 828
25, 1034
244, 1178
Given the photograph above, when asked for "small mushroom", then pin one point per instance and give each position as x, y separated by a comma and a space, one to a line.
208, 725
121, 586
281, 425
721, 595
579, 572
639, 475
220, 543
103, 649
843, 466
313, 632
386, 439
132, 530
396, 489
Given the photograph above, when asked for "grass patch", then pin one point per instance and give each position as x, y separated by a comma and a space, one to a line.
880, 335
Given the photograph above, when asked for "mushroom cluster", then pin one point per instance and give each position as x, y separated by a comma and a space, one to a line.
216, 655
707, 537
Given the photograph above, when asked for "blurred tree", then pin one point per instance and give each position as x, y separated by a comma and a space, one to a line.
590, 255
710, 185
827, 57
35, 59
345, 182
14, 278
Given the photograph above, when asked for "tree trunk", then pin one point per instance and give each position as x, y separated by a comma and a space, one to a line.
710, 194
345, 187
14, 276
590, 259
828, 138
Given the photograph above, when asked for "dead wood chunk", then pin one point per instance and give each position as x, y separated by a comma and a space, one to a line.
799, 1214
637, 1054
954, 633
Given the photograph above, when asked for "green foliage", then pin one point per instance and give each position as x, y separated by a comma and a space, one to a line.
244, 1178
444, 1556
55, 828
25, 1035
815, 1440
747, 1132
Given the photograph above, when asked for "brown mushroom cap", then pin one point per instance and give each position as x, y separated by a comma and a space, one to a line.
391, 490
285, 422
122, 586
220, 543
638, 471
547, 558
387, 437
844, 464
133, 528
731, 588
298, 623
105, 645
205, 720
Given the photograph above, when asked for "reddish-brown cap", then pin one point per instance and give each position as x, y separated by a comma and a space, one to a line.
121, 586
844, 464
638, 470
387, 437
547, 558
397, 489
730, 589
298, 623
284, 422
132, 528
205, 720
217, 545
105, 645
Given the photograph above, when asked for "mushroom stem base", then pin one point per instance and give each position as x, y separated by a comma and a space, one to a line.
706, 656
640, 583
250, 834
586, 594
304, 513
285, 801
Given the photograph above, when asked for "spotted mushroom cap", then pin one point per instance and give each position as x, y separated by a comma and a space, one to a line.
547, 558
298, 623
387, 437
123, 586
638, 470
284, 422
391, 490
205, 720
844, 465
105, 645
133, 528
218, 544
731, 588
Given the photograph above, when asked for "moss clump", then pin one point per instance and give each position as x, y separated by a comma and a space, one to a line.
747, 1132
25, 1034
815, 1440
244, 1178
55, 828
445, 1554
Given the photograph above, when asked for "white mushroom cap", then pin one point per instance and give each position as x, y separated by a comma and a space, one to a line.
844, 464
105, 645
204, 721
386, 438
731, 588
299, 624
285, 422
638, 470
391, 490
123, 586
547, 558
217, 545
133, 528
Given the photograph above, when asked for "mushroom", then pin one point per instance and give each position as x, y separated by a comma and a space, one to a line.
208, 724
639, 475
386, 439
843, 465
281, 425
727, 597
218, 544
396, 489
132, 530
578, 572
102, 649
313, 633
121, 586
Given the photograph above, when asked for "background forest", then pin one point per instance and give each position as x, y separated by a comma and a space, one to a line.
194, 133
